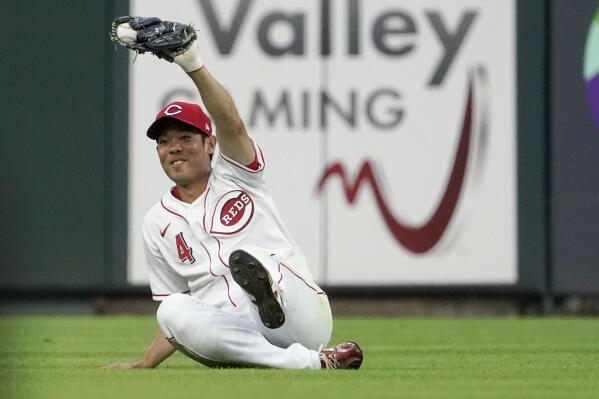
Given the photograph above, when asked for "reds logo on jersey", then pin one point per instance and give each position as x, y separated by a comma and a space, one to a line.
232, 213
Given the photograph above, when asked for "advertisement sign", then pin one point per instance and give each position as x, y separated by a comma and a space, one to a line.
388, 130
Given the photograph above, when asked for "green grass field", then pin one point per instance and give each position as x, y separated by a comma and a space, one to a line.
60, 357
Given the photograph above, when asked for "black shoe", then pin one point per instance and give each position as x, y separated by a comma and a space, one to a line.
256, 281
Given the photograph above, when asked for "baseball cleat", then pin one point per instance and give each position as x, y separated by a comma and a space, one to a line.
256, 281
346, 355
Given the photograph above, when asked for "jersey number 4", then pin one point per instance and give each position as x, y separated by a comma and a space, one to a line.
184, 251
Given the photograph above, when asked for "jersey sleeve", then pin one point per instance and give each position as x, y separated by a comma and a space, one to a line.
163, 280
228, 168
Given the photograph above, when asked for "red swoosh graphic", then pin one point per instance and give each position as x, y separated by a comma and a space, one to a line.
415, 239
163, 232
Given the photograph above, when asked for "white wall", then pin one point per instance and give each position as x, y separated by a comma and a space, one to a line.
412, 160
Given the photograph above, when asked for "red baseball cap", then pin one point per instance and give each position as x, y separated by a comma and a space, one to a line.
188, 113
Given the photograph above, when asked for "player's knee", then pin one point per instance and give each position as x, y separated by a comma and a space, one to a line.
170, 310
257, 252
263, 255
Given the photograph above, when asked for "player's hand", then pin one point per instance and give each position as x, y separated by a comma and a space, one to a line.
122, 366
172, 41
190, 60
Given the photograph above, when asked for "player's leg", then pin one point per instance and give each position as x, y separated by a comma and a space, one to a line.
308, 317
254, 272
217, 338
306, 307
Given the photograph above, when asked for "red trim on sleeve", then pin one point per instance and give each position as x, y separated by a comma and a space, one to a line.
255, 164
258, 156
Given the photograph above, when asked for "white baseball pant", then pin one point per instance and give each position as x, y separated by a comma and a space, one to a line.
218, 338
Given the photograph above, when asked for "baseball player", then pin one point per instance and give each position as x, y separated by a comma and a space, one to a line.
235, 288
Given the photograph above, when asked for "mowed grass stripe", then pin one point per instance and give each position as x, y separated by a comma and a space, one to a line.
60, 357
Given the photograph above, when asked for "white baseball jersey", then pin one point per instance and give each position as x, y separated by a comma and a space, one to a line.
187, 246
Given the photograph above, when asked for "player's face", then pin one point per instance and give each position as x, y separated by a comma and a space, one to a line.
185, 156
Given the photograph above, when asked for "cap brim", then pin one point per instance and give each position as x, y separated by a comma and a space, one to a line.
155, 128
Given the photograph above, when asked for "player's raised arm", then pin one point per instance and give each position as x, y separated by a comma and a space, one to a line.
178, 43
232, 137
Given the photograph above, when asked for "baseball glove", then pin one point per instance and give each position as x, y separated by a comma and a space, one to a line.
172, 41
